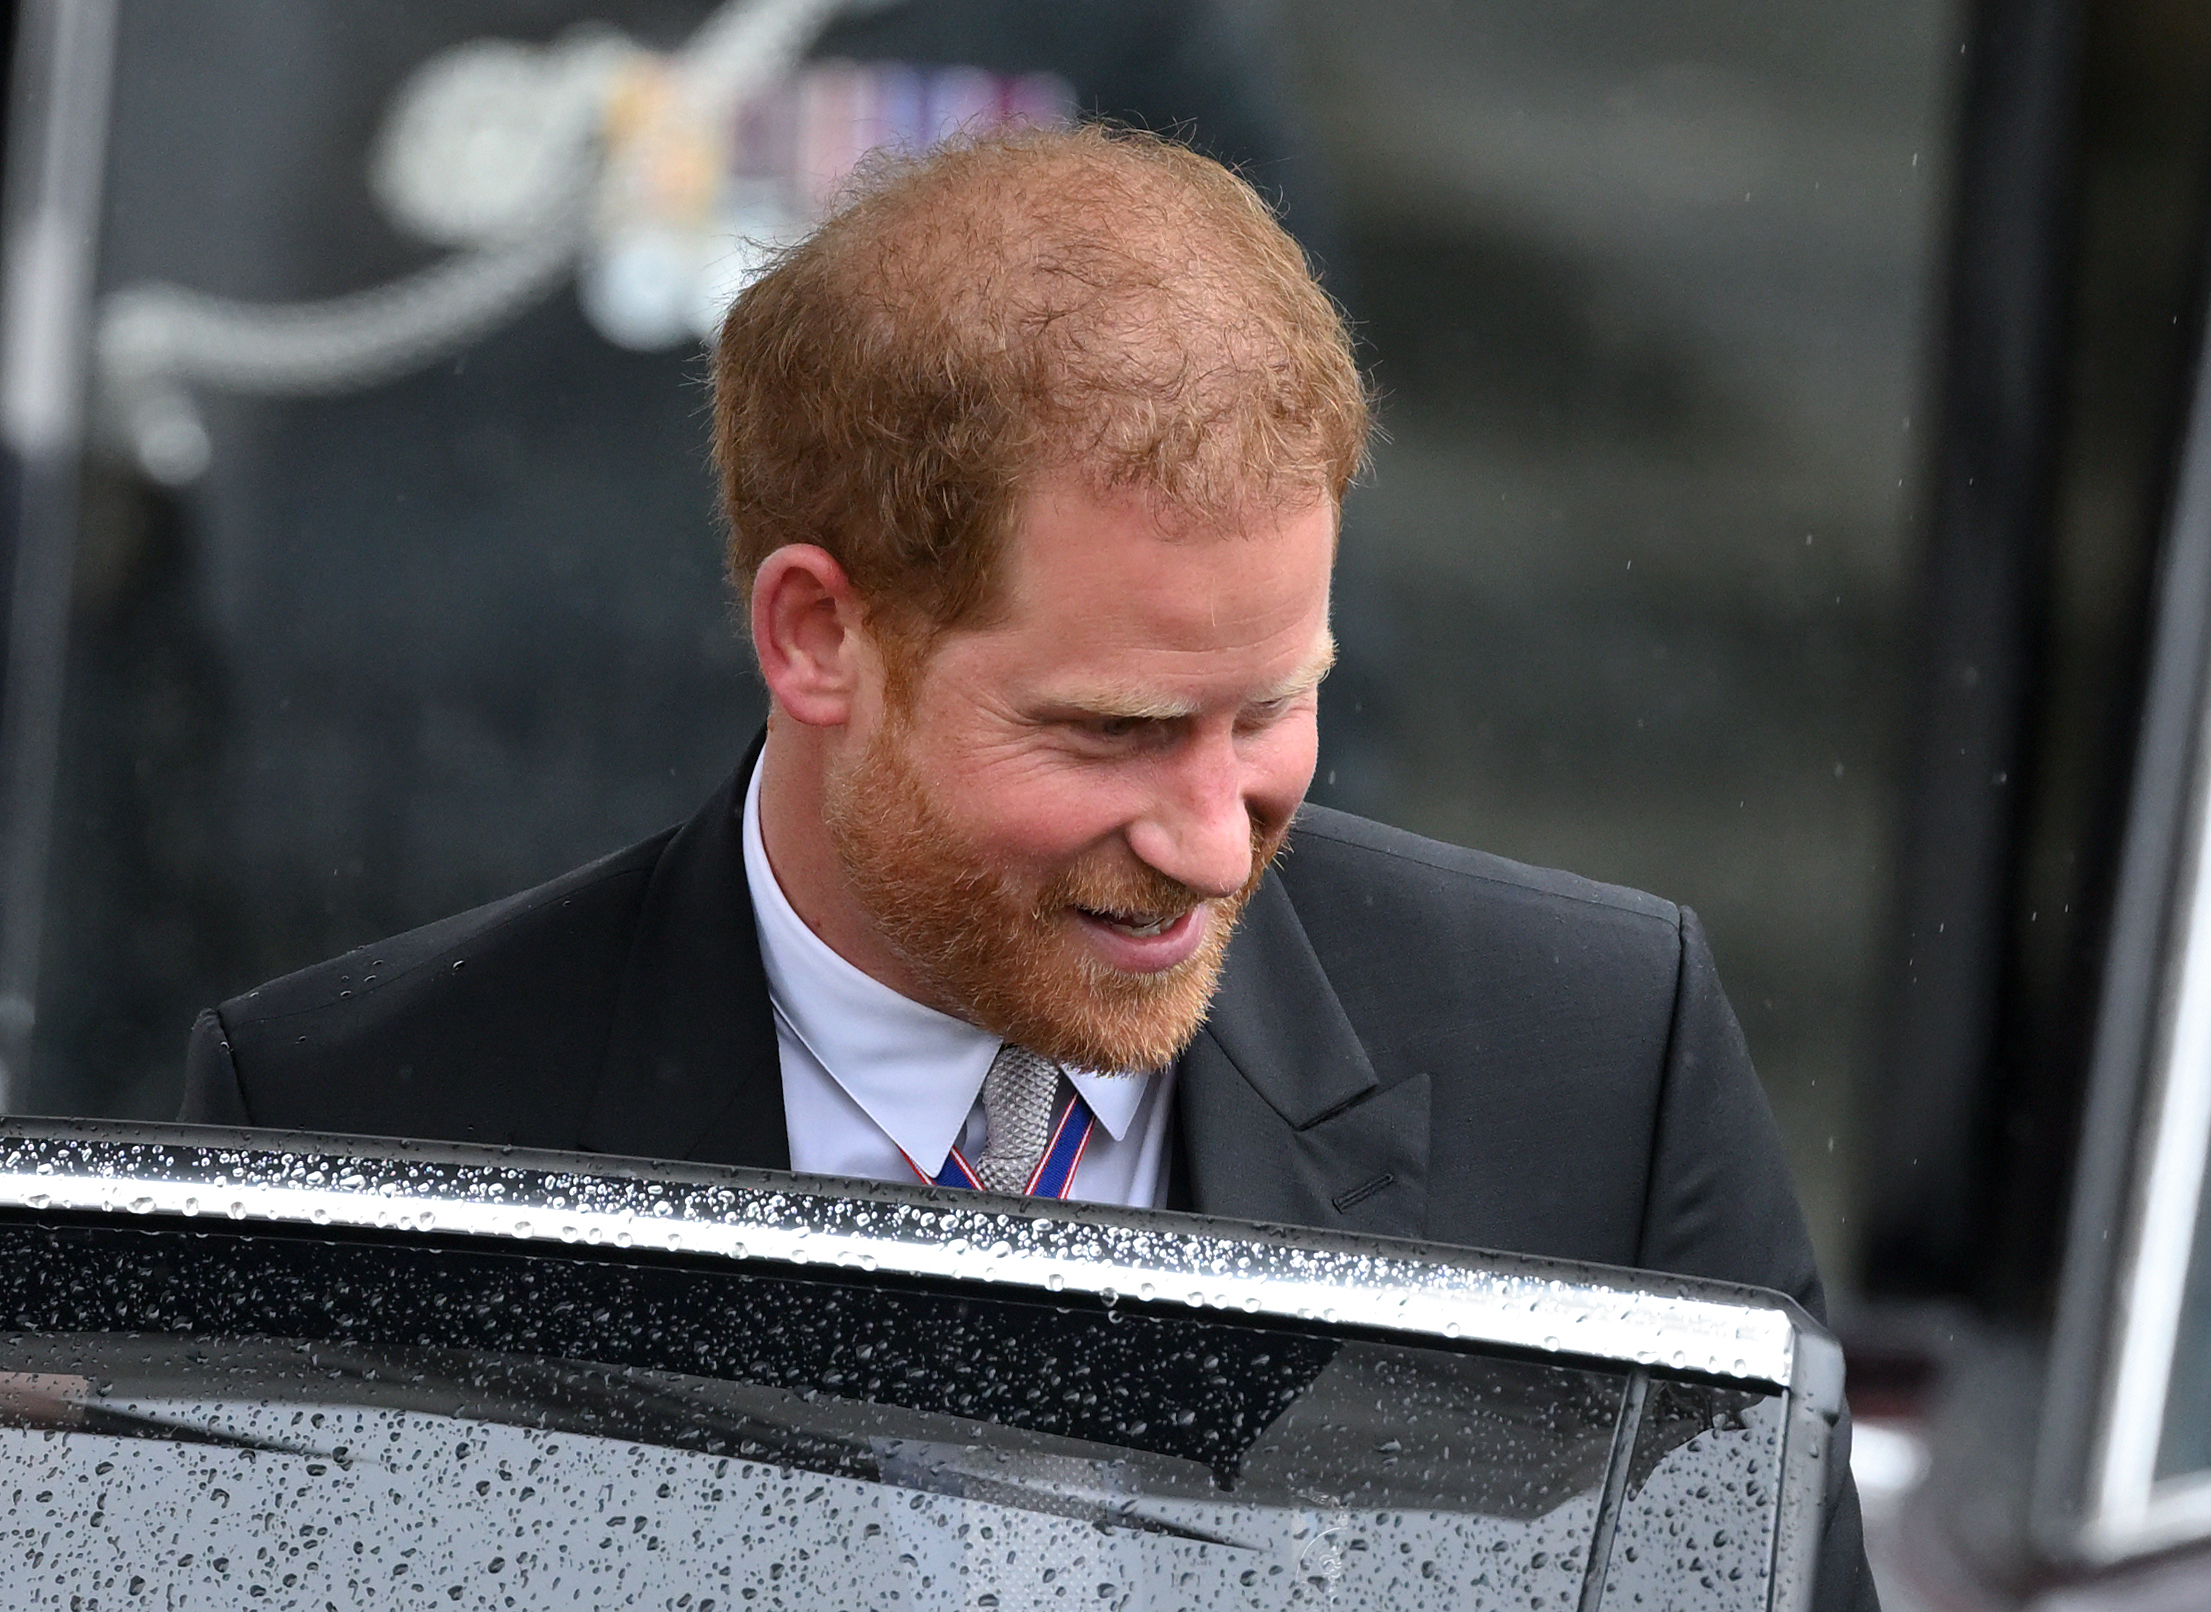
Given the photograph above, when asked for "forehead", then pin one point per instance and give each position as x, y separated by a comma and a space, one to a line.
1114, 583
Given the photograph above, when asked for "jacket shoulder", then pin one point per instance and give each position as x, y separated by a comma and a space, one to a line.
1539, 1008
1331, 846
1424, 940
488, 1025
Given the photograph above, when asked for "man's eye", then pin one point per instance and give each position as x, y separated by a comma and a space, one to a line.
1113, 727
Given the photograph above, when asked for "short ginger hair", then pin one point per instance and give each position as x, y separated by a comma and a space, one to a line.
1032, 301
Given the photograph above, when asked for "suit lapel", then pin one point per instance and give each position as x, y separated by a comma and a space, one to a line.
1280, 1112
692, 1070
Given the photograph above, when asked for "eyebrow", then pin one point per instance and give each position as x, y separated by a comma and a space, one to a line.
1137, 706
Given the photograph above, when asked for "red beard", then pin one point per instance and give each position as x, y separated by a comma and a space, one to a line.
1011, 960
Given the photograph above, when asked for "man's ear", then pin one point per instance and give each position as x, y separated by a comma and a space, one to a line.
809, 631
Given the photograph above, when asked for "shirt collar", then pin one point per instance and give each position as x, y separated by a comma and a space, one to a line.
914, 1071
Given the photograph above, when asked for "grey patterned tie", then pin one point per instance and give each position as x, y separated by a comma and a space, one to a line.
1019, 1095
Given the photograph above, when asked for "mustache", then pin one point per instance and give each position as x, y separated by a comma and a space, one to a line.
1138, 892
1137, 889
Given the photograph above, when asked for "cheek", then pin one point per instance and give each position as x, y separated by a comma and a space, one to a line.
1281, 763
1025, 810
993, 789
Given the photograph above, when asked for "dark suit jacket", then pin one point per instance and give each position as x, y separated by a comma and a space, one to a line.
1409, 1039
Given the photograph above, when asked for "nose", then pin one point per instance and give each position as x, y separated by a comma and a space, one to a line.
1198, 827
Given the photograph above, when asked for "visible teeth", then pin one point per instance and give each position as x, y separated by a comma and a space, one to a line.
1151, 927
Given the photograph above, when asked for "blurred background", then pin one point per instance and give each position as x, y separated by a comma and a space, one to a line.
1782, 505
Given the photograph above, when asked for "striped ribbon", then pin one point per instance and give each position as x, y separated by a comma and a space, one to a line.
1055, 1168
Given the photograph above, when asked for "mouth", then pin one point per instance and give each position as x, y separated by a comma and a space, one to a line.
1137, 926
1144, 942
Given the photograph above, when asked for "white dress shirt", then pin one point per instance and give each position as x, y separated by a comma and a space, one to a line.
872, 1079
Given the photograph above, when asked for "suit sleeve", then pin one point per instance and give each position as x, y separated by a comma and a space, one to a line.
1720, 1204
212, 1094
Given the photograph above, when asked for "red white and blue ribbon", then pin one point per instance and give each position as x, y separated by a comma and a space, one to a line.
1055, 1170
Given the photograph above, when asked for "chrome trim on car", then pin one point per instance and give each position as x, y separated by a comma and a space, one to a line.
1740, 1334
2146, 1133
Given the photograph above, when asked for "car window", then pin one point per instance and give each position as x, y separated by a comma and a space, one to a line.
228, 1386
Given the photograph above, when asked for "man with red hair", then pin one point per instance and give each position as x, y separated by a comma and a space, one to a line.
1032, 458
